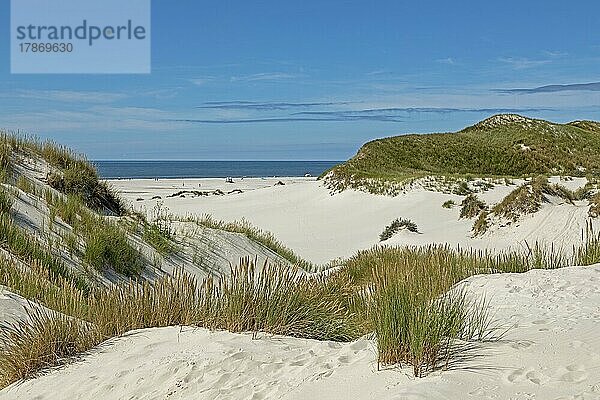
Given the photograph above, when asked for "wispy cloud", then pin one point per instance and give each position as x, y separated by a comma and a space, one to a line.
394, 115
592, 87
554, 54
67, 96
201, 81
447, 61
266, 76
93, 119
523, 63
266, 106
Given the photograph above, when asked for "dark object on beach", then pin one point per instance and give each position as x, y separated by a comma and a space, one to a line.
238, 191
307, 175
229, 180
156, 198
218, 192
280, 184
139, 199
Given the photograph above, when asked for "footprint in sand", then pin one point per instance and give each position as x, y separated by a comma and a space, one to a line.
521, 344
522, 375
537, 377
540, 322
576, 373
121, 374
360, 345
516, 376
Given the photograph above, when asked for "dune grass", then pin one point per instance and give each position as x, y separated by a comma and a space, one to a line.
481, 224
404, 295
73, 173
448, 204
272, 299
396, 226
106, 245
525, 199
414, 325
265, 238
594, 210
41, 344
491, 148
471, 207
22, 245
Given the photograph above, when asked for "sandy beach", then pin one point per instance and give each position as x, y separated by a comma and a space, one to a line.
321, 227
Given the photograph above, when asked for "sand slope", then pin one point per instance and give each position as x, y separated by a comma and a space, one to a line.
552, 351
321, 227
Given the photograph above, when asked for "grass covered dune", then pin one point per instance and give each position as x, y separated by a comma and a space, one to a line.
503, 145
192, 363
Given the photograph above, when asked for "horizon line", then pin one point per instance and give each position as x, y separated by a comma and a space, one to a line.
202, 160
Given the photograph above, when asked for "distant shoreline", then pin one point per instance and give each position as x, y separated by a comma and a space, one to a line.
134, 169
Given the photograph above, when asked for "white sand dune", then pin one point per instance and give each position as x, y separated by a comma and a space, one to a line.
14, 308
552, 351
321, 227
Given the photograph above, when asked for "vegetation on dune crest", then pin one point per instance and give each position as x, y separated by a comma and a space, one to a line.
448, 204
502, 145
106, 245
529, 197
265, 238
481, 224
594, 210
396, 226
471, 207
72, 173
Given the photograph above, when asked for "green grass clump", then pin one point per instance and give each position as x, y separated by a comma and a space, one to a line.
280, 300
19, 243
481, 224
81, 180
416, 325
6, 201
396, 226
73, 175
463, 189
471, 207
448, 204
68, 209
25, 184
29, 348
594, 201
158, 238
526, 199
107, 247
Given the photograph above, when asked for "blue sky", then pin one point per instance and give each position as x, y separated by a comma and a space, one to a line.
313, 80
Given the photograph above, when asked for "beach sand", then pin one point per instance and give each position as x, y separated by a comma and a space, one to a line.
321, 227
550, 351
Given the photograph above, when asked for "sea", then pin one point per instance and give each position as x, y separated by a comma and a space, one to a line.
210, 169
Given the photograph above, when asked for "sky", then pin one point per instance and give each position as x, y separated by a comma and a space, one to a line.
314, 80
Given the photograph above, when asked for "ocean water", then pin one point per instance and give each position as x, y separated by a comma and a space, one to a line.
209, 169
